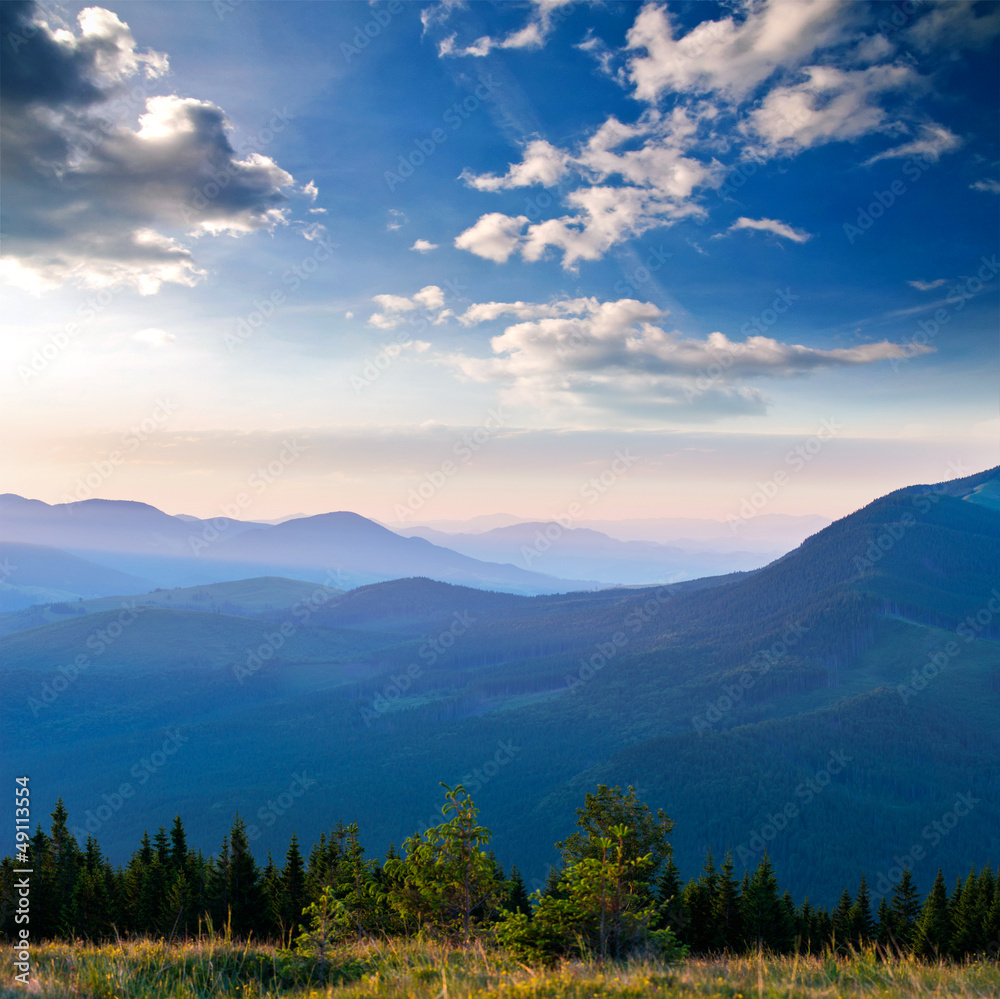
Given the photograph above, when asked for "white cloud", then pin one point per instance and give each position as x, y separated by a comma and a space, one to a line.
772, 226
934, 140
617, 355
659, 183
494, 237
542, 164
397, 219
154, 337
532, 36
830, 105
392, 307
731, 56
927, 285
989, 185
483, 312
424, 246
310, 190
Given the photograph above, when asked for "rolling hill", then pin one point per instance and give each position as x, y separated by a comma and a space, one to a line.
833, 704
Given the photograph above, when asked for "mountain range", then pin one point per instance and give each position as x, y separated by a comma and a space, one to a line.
836, 707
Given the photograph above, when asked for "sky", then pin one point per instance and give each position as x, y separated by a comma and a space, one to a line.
435, 260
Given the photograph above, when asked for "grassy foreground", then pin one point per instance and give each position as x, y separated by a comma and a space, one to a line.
214, 969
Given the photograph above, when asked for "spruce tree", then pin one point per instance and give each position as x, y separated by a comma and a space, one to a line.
862, 926
243, 882
517, 893
764, 926
934, 928
293, 893
905, 908
843, 925
726, 908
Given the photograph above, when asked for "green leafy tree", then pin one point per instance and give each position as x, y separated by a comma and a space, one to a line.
445, 874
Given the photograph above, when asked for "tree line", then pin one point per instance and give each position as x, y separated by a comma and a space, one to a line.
615, 891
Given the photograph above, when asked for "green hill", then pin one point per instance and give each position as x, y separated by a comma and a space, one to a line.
263, 596
876, 639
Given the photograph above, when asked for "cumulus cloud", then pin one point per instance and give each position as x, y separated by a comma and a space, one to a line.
86, 194
773, 226
818, 78
494, 237
424, 246
392, 308
656, 183
830, 105
731, 56
619, 355
542, 164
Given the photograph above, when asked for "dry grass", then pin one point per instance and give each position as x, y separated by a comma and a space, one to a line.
216, 969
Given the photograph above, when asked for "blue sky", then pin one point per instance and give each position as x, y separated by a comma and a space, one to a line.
557, 230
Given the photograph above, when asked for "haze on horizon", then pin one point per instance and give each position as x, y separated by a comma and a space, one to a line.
375, 250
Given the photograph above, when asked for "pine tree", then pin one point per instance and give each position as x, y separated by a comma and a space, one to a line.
517, 893
967, 917
293, 893
762, 910
726, 909
934, 929
884, 932
243, 882
669, 895
862, 926
905, 908
178, 844
843, 925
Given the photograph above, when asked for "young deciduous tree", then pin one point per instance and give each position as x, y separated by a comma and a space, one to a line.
445, 874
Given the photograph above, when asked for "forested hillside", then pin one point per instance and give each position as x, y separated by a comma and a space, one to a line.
835, 704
